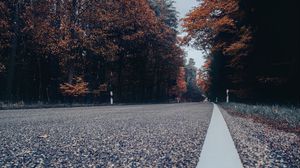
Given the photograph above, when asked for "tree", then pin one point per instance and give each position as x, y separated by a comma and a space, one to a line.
180, 87
166, 12
5, 34
123, 44
148, 53
203, 81
193, 92
218, 28
79, 88
251, 48
76, 35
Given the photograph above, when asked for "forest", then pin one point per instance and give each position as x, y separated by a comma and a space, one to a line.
252, 49
80, 50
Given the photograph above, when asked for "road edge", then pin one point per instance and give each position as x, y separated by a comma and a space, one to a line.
219, 149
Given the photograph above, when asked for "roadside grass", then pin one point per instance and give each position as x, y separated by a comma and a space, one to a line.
37, 105
286, 116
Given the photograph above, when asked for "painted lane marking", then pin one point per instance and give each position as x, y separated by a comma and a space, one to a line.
218, 150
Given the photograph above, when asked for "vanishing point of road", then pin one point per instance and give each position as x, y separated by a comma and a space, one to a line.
161, 135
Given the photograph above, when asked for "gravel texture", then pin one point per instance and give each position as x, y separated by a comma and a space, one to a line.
262, 146
283, 117
169, 135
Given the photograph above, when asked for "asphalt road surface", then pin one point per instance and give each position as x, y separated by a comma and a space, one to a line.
163, 135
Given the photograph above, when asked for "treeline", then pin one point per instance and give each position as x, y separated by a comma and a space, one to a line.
252, 49
56, 50
193, 91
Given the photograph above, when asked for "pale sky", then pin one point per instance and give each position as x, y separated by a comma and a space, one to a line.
183, 7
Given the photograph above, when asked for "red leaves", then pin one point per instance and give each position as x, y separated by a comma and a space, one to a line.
5, 33
79, 88
5, 26
92, 38
216, 26
210, 19
203, 81
181, 84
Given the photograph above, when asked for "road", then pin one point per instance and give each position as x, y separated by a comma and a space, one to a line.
162, 135
218, 149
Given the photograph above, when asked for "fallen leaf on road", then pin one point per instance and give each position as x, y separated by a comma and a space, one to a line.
44, 136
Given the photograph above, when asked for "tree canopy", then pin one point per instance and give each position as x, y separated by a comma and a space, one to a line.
54, 50
251, 48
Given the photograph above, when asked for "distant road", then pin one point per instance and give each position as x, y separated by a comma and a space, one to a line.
162, 135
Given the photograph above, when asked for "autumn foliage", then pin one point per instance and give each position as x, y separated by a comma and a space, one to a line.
5, 33
246, 45
78, 88
130, 45
181, 83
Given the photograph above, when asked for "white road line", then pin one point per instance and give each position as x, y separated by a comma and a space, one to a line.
218, 149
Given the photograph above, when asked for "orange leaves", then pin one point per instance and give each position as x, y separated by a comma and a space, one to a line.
203, 78
239, 48
67, 38
223, 24
79, 88
245, 37
207, 64
205, 22
234, 48
181, 83
203, 84
5, 33
134, 36
3, 17
217, 26
137, 19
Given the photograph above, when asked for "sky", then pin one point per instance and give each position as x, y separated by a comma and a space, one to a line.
183, 7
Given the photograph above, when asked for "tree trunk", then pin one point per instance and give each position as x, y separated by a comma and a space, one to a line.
120, 77
40, 79
12, 59
73, 20
70, 75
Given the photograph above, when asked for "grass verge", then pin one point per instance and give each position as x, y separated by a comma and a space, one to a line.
281, 117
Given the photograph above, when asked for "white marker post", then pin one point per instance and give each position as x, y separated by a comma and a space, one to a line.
111, 98
227, 97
